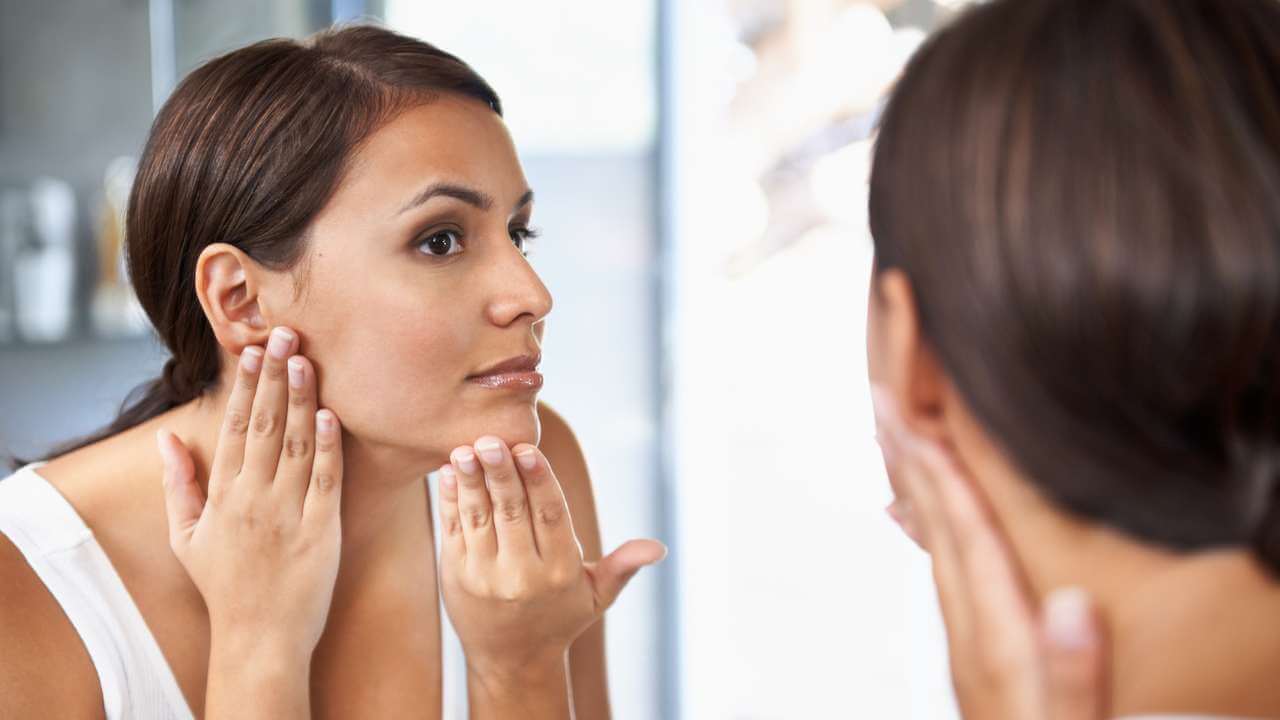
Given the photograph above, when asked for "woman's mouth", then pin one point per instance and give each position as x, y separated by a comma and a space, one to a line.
517, 373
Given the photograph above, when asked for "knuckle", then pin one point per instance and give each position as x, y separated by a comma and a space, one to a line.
560, 577
296, 447
550, 514
237, 422
325, 481
265, 422
477, 517
273, 370
500, 476
247, 380
511, 510
453, 526
299, 398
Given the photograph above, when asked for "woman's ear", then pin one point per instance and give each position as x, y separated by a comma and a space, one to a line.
901, 360
228, 285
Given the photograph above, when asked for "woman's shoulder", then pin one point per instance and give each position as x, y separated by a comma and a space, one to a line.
562, 449
45, 670
560, 446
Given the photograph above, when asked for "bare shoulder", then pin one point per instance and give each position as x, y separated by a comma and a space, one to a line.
565, 454
45, 670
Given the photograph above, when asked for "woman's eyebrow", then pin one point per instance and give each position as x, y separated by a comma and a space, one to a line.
470, 196
467, 195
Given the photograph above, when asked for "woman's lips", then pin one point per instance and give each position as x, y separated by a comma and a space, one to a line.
520, 380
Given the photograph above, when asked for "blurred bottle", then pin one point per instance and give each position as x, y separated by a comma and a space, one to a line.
45, 264
115, 310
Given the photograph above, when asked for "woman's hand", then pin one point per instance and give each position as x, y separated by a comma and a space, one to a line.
1009, 659
513, 576
263, 549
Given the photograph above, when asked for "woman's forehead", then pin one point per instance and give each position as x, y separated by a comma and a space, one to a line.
450, 139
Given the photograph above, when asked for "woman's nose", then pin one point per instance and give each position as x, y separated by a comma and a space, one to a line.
518, 292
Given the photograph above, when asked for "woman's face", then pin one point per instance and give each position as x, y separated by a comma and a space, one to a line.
415, 285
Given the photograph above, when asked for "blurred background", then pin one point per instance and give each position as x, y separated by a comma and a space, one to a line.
701, 170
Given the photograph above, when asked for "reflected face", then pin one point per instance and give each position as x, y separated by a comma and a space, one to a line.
418, 306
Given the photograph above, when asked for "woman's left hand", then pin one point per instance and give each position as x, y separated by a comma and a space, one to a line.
513, 576
1010, 660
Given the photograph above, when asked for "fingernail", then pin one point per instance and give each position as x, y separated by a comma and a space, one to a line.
490, 450
447, 478
528, 459
251, 359
295, 373
465, 460
280, 344
324, 419
1066, 614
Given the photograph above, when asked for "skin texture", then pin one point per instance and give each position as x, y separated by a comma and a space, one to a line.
390, 334
1209, 616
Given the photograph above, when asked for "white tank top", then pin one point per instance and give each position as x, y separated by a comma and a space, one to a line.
137, 683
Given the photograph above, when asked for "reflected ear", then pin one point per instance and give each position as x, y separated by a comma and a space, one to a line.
904, 363
227, 284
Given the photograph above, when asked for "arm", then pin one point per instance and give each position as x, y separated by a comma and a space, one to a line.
587, 670
45, 670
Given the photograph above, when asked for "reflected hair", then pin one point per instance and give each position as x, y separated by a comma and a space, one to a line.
1085, 197
247, 151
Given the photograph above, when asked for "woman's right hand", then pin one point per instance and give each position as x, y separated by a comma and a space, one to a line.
263, 549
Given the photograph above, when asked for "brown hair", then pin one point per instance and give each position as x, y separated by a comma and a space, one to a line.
1085, 195
247, 150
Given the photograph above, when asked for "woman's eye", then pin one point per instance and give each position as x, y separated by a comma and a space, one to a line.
521, 238
445, 242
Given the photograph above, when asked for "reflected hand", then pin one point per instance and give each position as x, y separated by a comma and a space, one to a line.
1009, 659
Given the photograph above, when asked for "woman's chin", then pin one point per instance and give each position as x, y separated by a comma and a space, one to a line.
514, 424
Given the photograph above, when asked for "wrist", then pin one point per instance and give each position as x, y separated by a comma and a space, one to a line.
265, 654
520, 673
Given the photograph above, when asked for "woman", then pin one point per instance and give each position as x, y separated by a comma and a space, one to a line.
1074, 332
356, 198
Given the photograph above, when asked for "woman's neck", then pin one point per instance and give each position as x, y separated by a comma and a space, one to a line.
1188, 632
384, 500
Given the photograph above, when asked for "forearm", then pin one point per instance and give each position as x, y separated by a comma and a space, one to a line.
536, 691
250, 681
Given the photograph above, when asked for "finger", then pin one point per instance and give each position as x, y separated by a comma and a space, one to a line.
931, 524
473, 505
1001, 630
270, 405
1075, 657
183, 500
552, 526
612, 572
293, 473
511, 522
453, 543
324, 487
228, 457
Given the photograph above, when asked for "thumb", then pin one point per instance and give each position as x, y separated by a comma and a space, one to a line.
612, 572
1075, 657
183, 499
